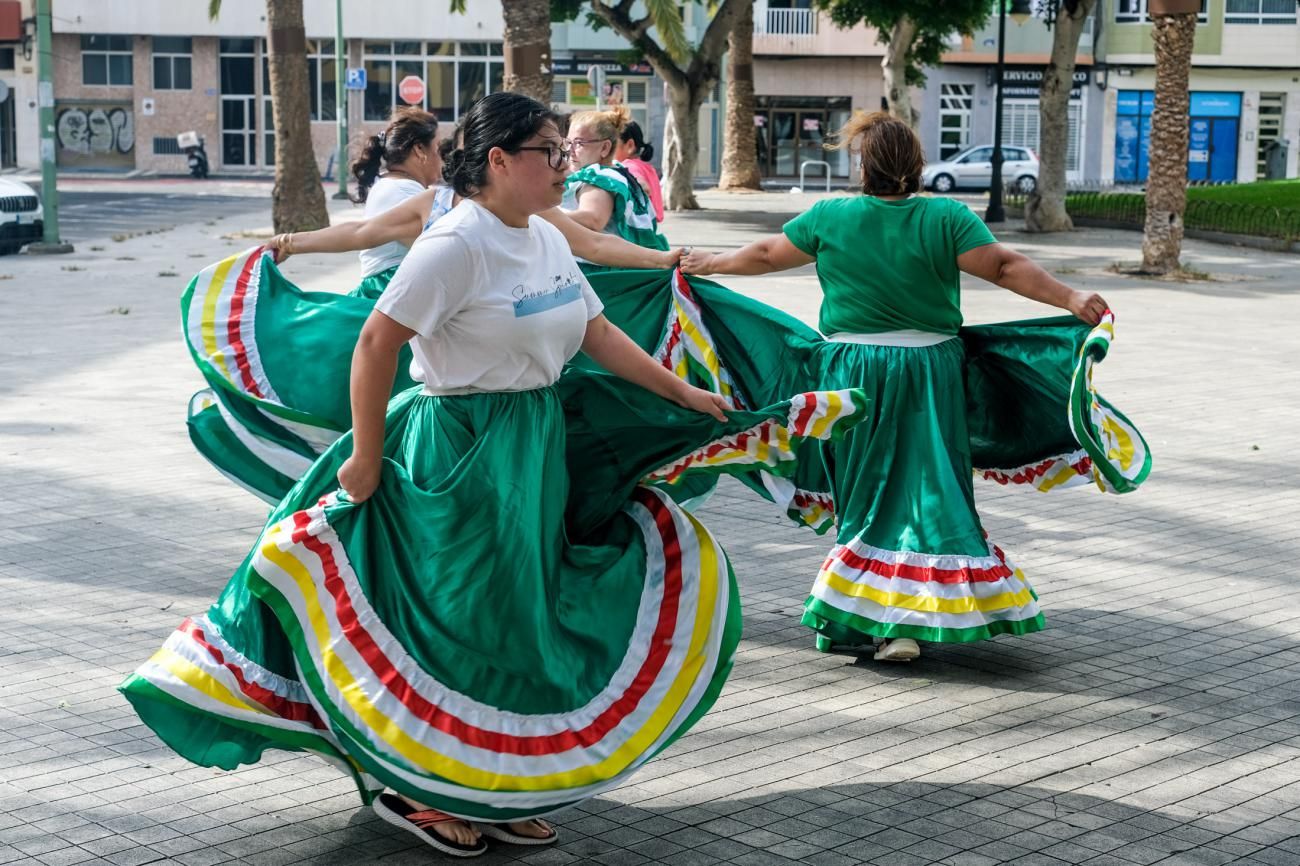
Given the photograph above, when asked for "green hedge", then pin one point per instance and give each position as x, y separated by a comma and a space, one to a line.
1216, 216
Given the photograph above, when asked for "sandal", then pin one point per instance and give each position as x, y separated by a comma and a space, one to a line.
503, 833
421, 822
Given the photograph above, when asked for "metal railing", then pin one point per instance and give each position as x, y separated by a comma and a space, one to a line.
803, 167
787, 22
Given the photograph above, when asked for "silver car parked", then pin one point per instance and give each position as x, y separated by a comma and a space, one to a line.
973, 169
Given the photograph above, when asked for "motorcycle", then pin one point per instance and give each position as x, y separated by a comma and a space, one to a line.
191, 143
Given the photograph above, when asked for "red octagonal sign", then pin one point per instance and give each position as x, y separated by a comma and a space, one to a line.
411, 89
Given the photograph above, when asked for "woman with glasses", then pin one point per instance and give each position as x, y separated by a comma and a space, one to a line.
601, 194
473, 632
265, 445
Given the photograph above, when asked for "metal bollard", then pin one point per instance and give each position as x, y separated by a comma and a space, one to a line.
803, 167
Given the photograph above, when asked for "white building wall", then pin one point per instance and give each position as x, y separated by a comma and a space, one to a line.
418, 19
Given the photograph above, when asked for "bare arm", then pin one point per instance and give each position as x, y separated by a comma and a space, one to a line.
374, 365
605, 249
773, 253
1016, 272
609, 347
402, 223
595, 207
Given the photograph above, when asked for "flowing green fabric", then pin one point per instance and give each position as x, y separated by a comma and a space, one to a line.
511, 624
373, 286
632, 217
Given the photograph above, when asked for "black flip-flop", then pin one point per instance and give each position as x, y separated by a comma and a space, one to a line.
421, 822
503, 833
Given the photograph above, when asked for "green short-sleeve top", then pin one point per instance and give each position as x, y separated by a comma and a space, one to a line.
888, 265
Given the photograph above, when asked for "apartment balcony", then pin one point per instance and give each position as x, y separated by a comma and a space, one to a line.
803, 32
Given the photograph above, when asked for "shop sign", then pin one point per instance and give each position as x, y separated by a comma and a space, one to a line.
1025, 83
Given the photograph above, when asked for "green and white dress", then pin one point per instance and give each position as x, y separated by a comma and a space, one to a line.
514, 622
1017, 401
632, 218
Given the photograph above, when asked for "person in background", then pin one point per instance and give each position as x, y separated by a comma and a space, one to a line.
601, 194
635, 156
407, 152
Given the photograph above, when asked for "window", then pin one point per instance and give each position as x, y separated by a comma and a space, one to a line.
6, 58
171, 62
455, 74
1135, 12
575, 94
321, 71
955, 104
106, 60
1020, 129
1260, 12
979, 154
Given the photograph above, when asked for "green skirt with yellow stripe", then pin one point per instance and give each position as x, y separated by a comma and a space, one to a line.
1013, 403
514, 622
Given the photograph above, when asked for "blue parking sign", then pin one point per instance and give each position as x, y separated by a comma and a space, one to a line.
356, 79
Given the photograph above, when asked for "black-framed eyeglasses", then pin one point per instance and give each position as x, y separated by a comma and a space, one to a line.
556, 157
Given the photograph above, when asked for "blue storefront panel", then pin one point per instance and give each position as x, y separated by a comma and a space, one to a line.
1214, 124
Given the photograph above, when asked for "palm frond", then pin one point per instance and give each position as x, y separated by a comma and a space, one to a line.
667, 18
214, 9
458, 7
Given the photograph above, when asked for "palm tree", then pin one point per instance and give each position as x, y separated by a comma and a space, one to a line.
1173, 32
297, 199
528, 47
739, 153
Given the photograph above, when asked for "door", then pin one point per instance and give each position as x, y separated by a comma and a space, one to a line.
8, 137
785, 142
1223, 149
238, 131
975, 168
812, 129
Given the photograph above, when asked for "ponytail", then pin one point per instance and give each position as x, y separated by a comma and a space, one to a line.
408, 128
632, 132
365, 168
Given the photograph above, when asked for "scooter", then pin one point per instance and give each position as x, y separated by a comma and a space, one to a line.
197, 157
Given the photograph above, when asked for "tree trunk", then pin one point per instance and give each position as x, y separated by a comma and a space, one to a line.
894, 68
739, 152
297, 199
528, 48
1045, 207
682, 144
1166, 190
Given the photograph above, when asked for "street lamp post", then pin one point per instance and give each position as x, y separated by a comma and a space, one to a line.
50, 242
340, 101
1020, 11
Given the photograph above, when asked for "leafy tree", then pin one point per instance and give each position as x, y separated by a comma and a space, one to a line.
915, 33
690, 71
1045, 207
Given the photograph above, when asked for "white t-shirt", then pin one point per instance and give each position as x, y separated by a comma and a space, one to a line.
387, 193
495, 308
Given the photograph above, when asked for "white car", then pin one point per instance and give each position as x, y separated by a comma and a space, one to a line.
973, 169
21, 216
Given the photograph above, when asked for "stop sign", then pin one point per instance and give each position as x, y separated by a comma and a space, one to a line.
411, 89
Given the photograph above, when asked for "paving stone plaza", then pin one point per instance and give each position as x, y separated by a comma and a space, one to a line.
1155, 721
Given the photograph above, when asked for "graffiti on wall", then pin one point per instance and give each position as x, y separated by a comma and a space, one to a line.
95, 136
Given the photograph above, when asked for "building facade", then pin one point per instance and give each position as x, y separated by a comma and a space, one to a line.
1245, 91
809, 77
959, 98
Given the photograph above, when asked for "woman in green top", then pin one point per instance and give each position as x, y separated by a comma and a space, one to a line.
911, 561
